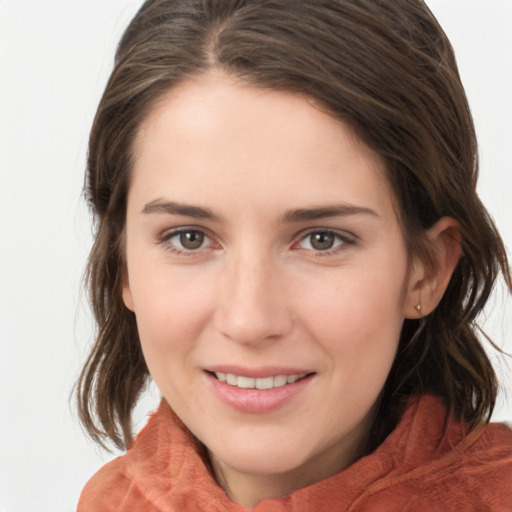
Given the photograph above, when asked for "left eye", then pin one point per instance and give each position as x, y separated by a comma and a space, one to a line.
323, 240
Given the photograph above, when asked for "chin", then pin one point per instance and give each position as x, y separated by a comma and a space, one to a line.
262, 459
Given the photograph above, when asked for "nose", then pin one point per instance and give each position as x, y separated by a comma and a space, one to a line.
252, 305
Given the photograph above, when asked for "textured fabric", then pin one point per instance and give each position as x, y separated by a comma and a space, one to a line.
419, 467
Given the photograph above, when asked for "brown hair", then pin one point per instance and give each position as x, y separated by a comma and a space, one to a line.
387, 70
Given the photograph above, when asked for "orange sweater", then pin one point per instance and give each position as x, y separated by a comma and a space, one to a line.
419, 467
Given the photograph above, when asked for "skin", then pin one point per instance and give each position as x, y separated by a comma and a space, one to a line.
257, 292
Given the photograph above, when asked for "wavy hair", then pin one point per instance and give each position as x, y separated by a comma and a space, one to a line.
384, 68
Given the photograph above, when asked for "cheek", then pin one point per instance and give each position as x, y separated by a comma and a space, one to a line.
171, 310
358, 321
170, 321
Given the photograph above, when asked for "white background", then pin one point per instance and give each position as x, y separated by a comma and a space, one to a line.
55, 57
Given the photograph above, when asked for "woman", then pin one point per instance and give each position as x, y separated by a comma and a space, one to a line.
290, 244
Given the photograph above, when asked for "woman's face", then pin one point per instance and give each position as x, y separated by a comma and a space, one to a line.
263, 249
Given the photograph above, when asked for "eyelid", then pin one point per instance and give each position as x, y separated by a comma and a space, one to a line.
164, 238
347, 239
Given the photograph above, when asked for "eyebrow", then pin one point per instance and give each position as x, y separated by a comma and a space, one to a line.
324, 212
174, 208
291, 216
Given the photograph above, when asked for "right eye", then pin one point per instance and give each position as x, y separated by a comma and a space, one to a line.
185, 240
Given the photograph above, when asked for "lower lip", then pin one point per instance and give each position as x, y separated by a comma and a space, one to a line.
257, 401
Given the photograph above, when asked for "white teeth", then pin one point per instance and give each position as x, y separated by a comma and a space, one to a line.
246, 382
261, 383
279, 381
267, 383
231, 379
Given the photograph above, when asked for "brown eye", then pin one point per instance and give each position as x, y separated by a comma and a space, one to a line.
191, 240
186, 241
326, 241
322, 241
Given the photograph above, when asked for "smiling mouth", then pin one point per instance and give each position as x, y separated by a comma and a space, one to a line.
276, 381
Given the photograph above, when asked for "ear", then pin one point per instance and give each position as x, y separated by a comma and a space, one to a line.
429, 282
126, 291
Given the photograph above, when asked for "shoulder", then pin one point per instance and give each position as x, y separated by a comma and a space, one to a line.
162, 470
112, 489
471, 473
106, 489
489, 457
116, 486
445, 470
484, 452
494, 440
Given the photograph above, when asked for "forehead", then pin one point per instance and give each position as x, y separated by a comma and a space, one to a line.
235, 135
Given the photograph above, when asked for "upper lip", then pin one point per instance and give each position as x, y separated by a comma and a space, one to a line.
258, 372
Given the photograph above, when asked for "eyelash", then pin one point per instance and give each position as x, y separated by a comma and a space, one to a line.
165, 240
341, 238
